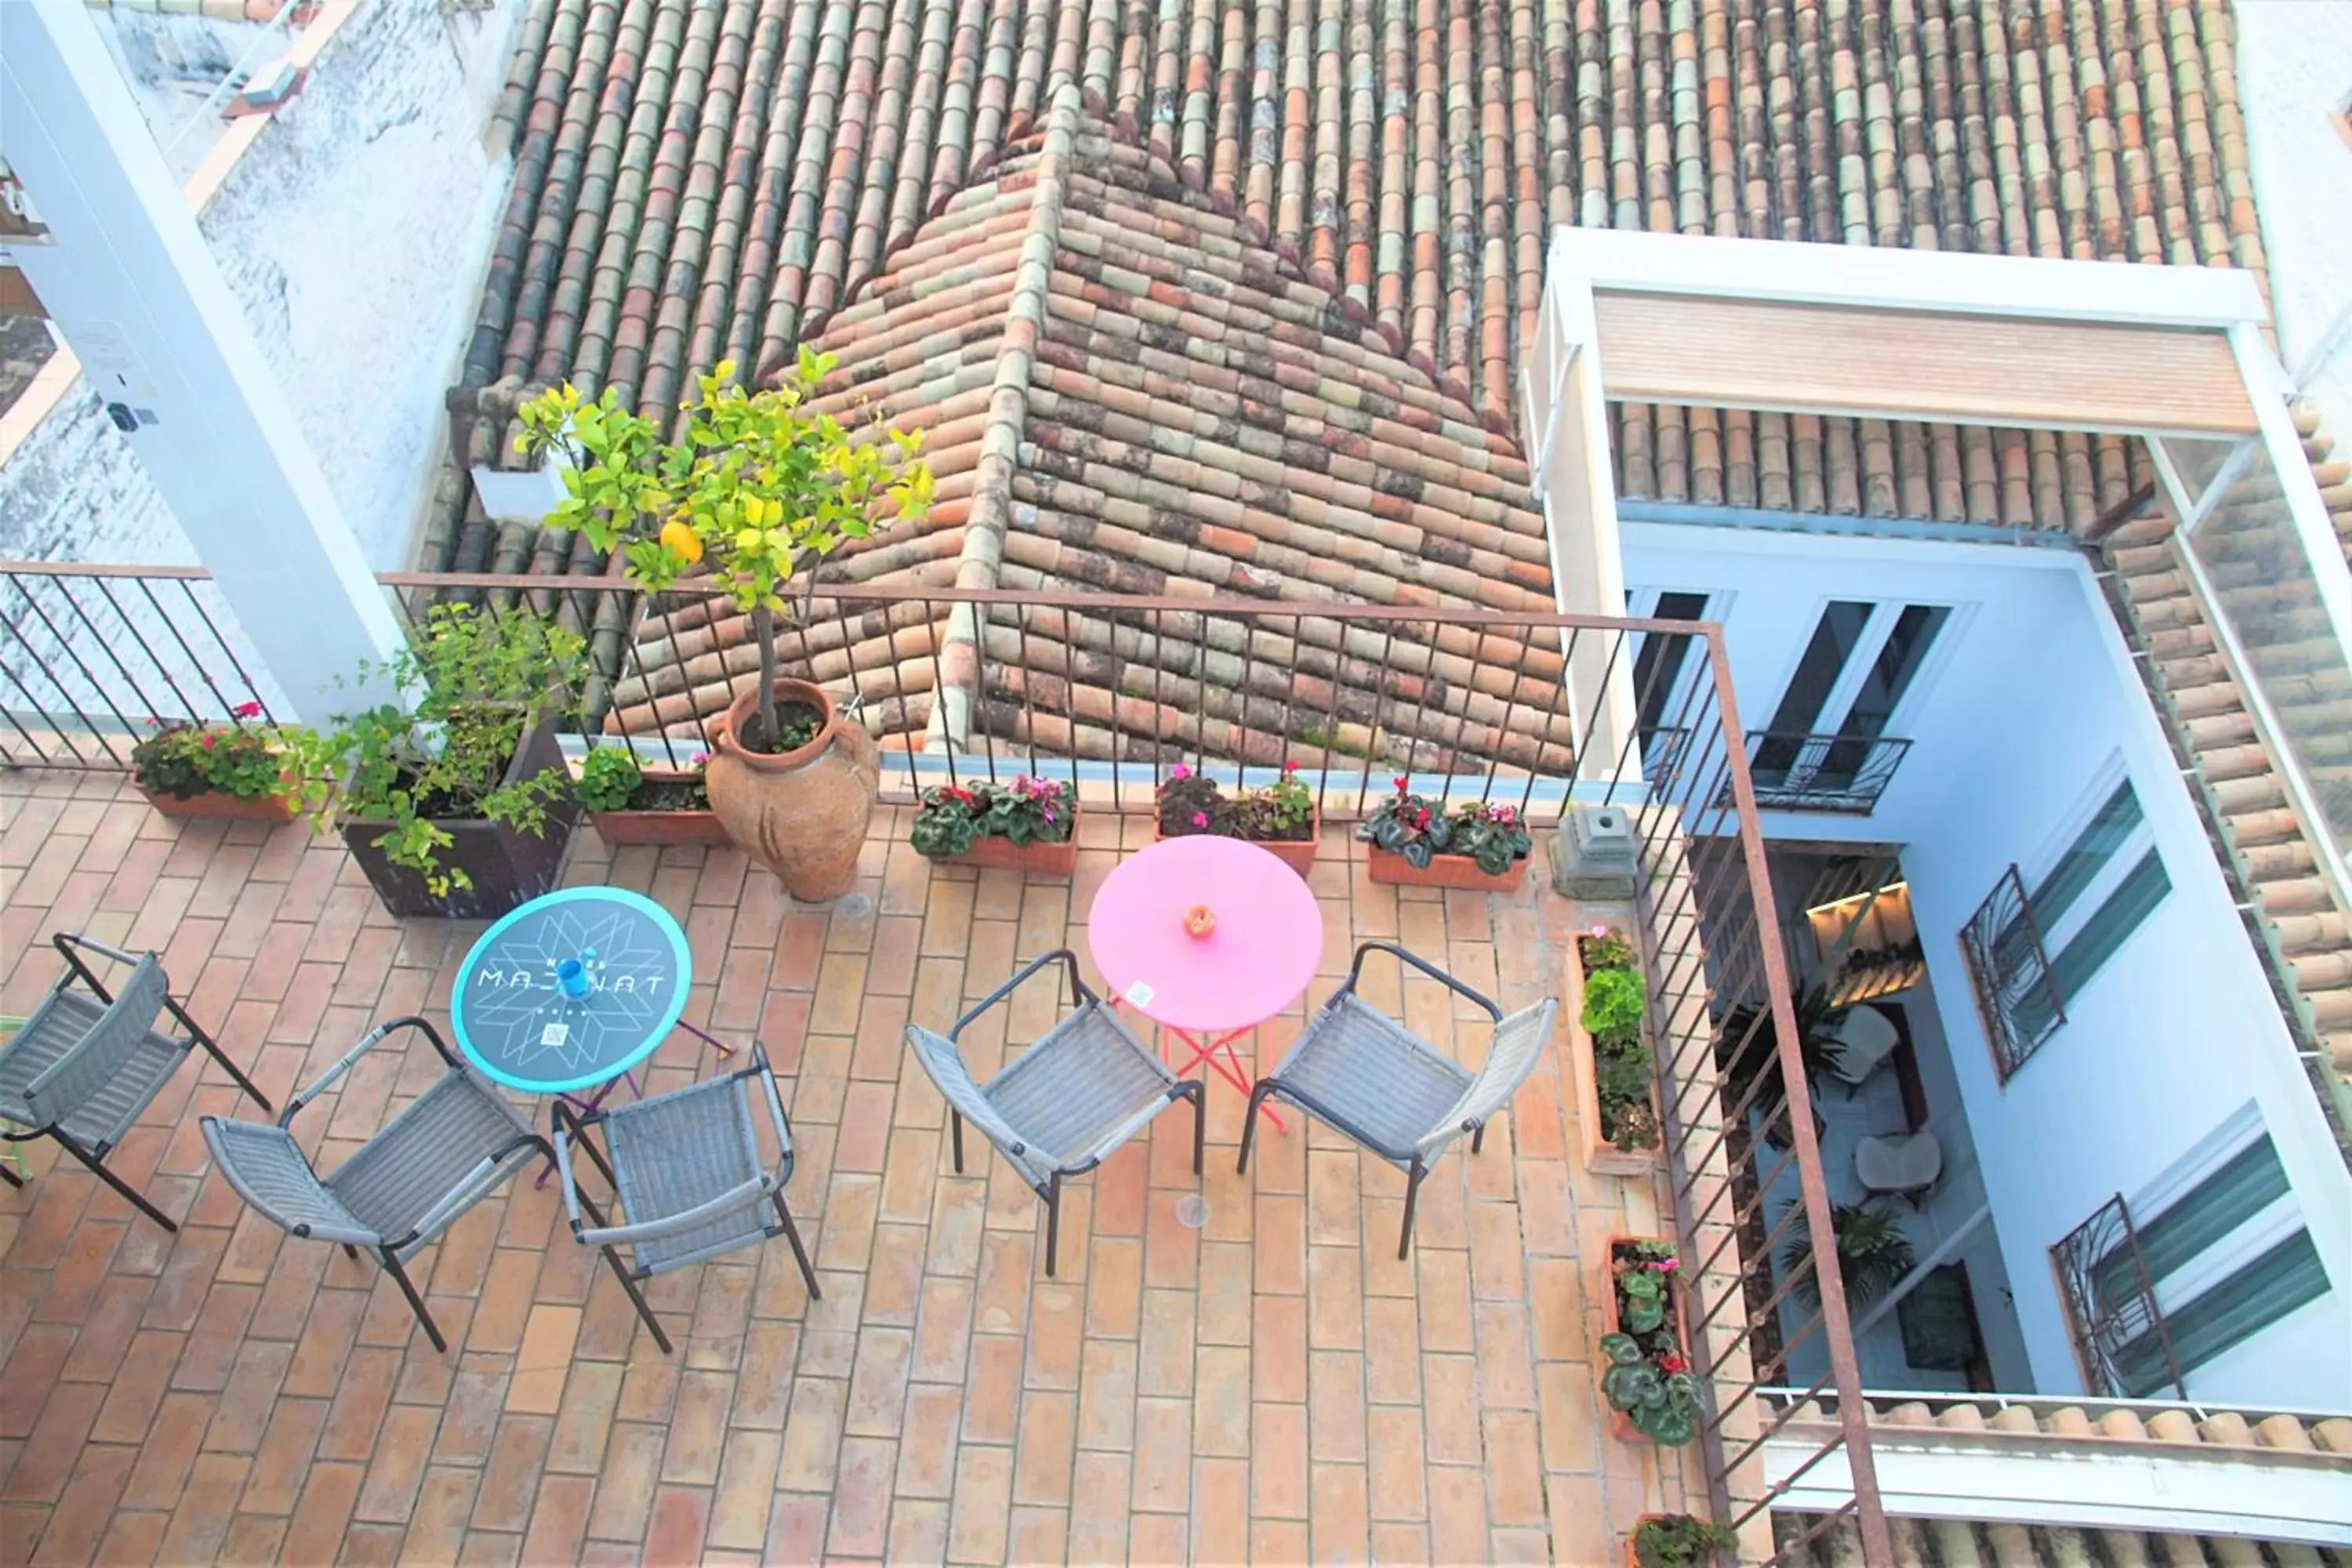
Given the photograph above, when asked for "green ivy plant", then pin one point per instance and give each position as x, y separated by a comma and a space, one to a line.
478, 680
1419, 829
1614, 1003
757, 487
1663, 1406
1678, 1541
1027, 811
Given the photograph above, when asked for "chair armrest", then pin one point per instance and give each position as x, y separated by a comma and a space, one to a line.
773, 1098
1511, 1058
561, 1125
955, 1031
703, 1213
467, 1191
944, 1063
59, 939
1425, 967
367, 1042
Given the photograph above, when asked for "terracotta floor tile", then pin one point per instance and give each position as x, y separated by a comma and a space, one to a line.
315, 1534
1098, 1511
746, 1488
1274, 1383
78, 1523
978, 1517
625, 1486
674, 1536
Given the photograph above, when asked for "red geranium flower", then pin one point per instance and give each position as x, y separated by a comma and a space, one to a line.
246, 710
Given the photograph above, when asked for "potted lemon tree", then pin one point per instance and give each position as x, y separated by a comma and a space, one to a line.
757, 488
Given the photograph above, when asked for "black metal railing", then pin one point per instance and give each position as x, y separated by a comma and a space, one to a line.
1524, 708
2120, 1338
1823, 772
2009, 969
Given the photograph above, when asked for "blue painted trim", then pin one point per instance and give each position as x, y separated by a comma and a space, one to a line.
1910, 528
675, 1009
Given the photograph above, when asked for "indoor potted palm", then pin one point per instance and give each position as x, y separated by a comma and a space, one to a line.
1874, 1256
458, 800
629, 802
249, 769
1616, 1078
1415, 842
1281, 818
1030, 825
757, 487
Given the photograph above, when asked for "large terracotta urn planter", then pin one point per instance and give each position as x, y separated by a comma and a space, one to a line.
801, 813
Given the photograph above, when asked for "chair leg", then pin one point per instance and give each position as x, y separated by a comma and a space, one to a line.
6, 1174
1249, 1123
1478, 1139
350, 1252
621, 1273
1053, 1219
799, 1252
955, 1136
1412, 1194
390, 1262
1200, 1099
117, 1183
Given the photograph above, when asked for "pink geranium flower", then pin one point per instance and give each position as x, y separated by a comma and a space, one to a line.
1199, 819
1179, 772
246, 710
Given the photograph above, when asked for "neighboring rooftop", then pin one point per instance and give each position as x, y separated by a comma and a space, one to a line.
703, 182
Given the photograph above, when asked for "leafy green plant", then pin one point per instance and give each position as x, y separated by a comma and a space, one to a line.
757, 487
250, 759
1872, 1254
1286, 804
1614, 1003
478, 680
1661, 1404
1678, 1541
609, 775
1418, 828
1027, 811
1644, 1282
1747, 1047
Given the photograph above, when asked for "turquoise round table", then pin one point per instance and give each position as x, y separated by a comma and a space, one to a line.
516, 1019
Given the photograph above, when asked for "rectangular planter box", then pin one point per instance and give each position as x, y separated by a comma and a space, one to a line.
1602, 1157
1619, 1423
507, 868
268, 808
659, 827
1298, 853
1444, 871
997, 853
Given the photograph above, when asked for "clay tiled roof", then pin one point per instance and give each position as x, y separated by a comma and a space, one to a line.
701, 181
1120, 389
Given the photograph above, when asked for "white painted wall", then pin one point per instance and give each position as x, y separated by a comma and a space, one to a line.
352, 234
2294, 70
2029, 694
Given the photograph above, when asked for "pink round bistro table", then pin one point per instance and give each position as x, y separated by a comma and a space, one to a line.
1209, 990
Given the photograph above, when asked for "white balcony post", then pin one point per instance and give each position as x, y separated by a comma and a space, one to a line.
134, 290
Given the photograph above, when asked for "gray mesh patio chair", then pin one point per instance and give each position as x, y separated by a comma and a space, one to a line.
89, 1060
691, 1184
1368, 1074
1062, 1106
445, 1151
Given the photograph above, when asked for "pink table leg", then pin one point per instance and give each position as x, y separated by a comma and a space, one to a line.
1228, 1067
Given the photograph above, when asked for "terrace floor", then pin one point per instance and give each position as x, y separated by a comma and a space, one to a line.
1273, 1386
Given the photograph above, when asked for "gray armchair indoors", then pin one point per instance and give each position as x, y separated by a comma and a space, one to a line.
1062, 1106
89, 1060
691, 1184
1361, 1070
445, 1151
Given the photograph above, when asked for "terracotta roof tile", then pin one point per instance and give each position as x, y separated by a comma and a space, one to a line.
696, 181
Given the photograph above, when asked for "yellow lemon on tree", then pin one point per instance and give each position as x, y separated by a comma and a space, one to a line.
683, 541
